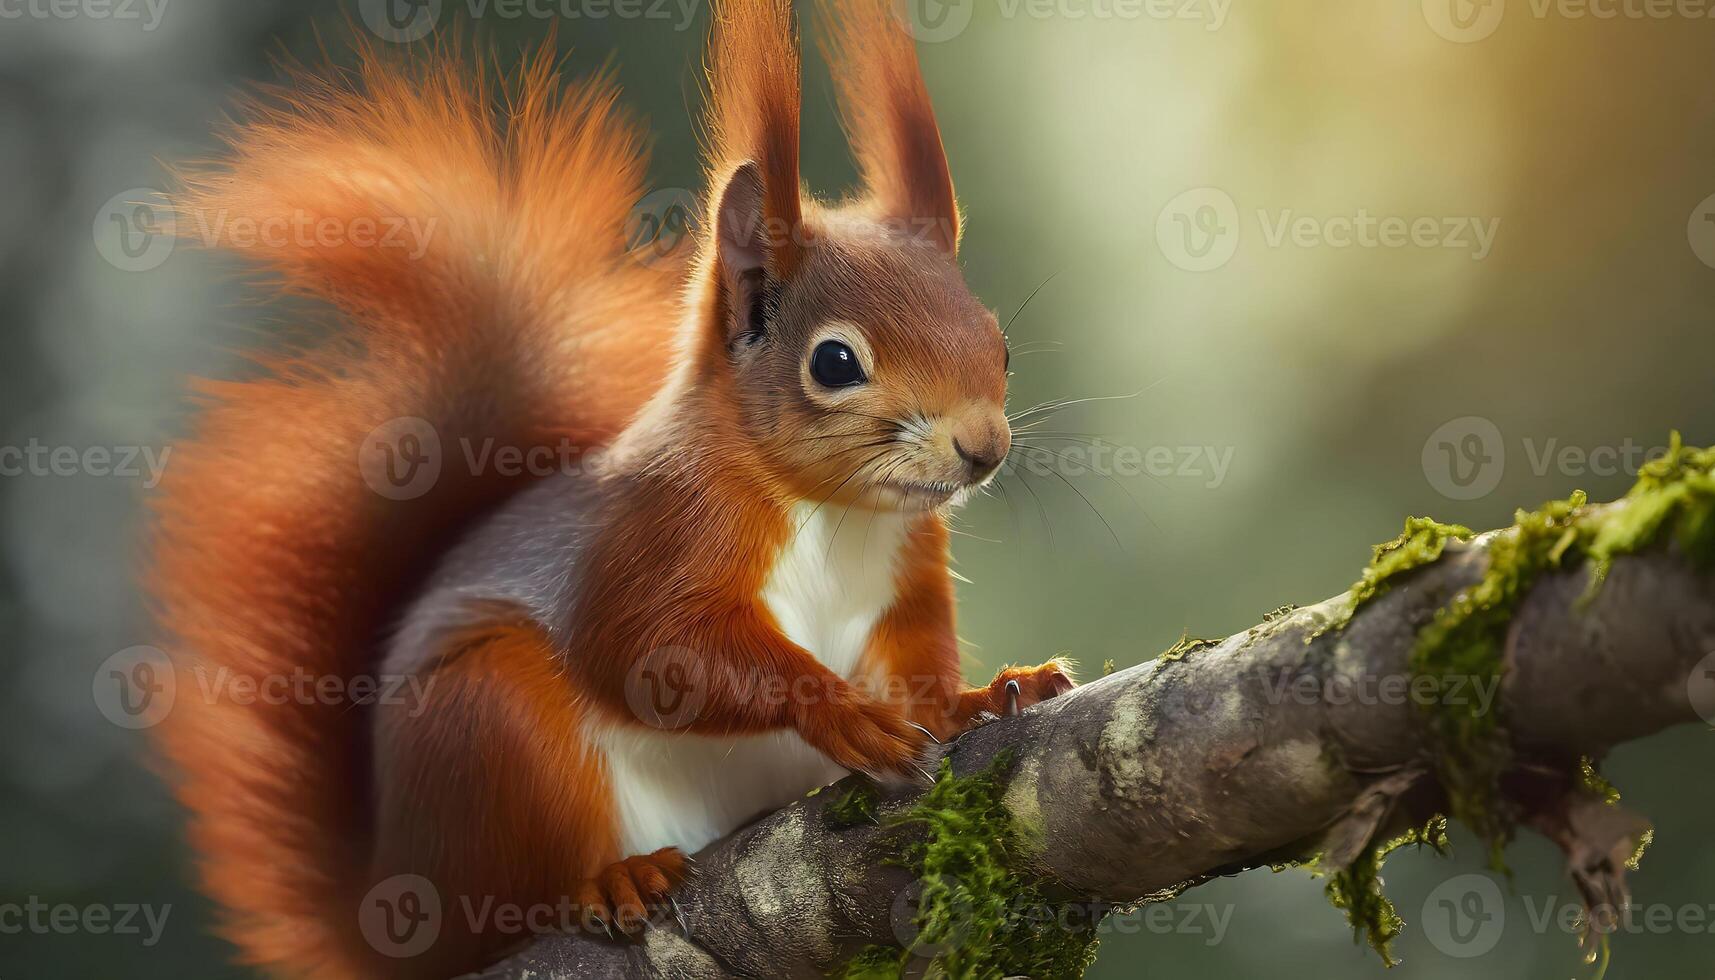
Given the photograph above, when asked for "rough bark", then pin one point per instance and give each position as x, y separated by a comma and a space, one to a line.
1262, 747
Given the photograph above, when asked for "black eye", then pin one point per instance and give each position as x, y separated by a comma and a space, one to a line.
833, 365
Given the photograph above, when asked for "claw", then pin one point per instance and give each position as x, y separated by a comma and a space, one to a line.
1013, 691
606, 927
925, 731
679, 914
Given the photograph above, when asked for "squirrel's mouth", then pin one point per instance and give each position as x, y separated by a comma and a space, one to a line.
924, 493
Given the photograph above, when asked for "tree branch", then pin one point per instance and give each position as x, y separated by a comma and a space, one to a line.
1281, 742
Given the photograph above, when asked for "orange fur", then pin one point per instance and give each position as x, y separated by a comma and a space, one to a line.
522, 321
512, 822
754, 95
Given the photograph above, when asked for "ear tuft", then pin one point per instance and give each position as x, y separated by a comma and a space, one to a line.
754, 81
890, 121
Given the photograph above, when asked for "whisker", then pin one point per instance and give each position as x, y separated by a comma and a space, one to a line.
1027, 349
1093, 509
1011, 510
1047, 526
829, 435
849, 477
974, 537
1026, 444
1006, 328
1069, 402
1111, 479
828, 557
892, 423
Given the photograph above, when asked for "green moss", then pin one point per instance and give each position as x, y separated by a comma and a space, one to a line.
981, 915
873, 963
1593, 782
1183, 649
854, 806
1637, 857
1357, 889
1461, 649
1420, 544
1465, 642
1676, 494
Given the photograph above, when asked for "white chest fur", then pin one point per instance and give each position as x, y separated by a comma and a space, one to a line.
834, 579
829, 586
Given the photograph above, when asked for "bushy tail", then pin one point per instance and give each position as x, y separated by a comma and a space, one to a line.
467, 233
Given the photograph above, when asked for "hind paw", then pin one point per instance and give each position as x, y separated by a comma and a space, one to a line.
628, 894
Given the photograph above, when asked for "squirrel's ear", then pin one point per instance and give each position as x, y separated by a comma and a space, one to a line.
889, 120
752, 123
742, 254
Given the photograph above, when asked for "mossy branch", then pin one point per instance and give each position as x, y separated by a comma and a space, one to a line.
1470, 674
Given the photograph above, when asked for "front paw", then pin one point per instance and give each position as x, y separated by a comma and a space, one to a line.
1017, 688
866, 735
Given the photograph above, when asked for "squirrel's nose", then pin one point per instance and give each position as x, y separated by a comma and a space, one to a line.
984, 449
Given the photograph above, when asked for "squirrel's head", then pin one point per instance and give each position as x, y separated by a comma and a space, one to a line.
864, 369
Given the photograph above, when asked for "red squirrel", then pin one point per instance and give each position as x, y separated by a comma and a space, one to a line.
784, 419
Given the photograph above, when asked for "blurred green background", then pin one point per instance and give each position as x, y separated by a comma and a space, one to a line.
1174, 176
